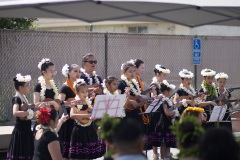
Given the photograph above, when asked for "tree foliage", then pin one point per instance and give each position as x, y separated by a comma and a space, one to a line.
17, 23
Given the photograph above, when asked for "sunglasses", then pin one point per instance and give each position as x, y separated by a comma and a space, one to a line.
91, 62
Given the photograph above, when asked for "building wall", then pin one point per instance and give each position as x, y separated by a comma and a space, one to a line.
122, 27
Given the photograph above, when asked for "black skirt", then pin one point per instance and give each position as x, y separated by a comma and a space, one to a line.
85, 143
21, 146
154, 138
65, 135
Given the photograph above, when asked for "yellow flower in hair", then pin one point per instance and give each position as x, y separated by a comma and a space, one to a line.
196, 109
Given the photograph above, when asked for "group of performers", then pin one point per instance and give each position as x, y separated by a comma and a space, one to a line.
64, 129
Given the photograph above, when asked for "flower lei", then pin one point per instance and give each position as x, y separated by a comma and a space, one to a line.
87, 102
137, 91
105, 89
89, 78
79, 107
42, 81
211, 89
70, 85
189, 91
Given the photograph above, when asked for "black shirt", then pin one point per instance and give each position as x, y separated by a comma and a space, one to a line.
65, 89
122, 85
41, 151
49, 93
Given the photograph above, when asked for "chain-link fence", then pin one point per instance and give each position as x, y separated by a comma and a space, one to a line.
22, 50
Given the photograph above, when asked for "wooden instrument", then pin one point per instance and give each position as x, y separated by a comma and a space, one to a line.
191, 97
85, 121
24, 107
58, 101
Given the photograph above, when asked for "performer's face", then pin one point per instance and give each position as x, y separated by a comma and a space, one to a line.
161, 76
50, 73
25, 89
167, 93
140, 69
209, 80
221, 82
90, 64
112, 87
75, 73
83, 92
187, 81
130, 73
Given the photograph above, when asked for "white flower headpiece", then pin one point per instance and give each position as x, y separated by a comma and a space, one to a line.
169, 85
131, 61
44, 60
186, 74
78, 81
104, 84
160, 69
221, 75
208, 72
21, 78
65, 70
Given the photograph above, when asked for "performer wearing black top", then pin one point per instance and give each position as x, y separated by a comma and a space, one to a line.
221, 79
154, 137
46, 89
185, 94
68, 93
21, 144
85, 143
46, 143
128, 81
89, 75
167, 112
208, 86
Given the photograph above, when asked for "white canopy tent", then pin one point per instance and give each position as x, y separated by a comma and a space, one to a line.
191, 13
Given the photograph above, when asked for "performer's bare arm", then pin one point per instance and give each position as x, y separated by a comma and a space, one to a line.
17, 113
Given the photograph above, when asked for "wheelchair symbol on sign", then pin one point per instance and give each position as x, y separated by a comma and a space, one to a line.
196, 45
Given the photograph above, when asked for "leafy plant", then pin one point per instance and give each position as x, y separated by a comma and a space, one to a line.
17, 23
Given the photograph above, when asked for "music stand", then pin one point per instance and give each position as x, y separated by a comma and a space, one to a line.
108, 104
217, 114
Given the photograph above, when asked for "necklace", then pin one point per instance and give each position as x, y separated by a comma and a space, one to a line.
42, 82
189, 91
90, 81
130, 83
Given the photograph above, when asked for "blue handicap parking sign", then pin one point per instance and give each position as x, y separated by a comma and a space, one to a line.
197, 51
197, 44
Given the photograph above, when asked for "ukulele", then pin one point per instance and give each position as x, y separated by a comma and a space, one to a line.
24, 107
191, 97
85, 121
58, 101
